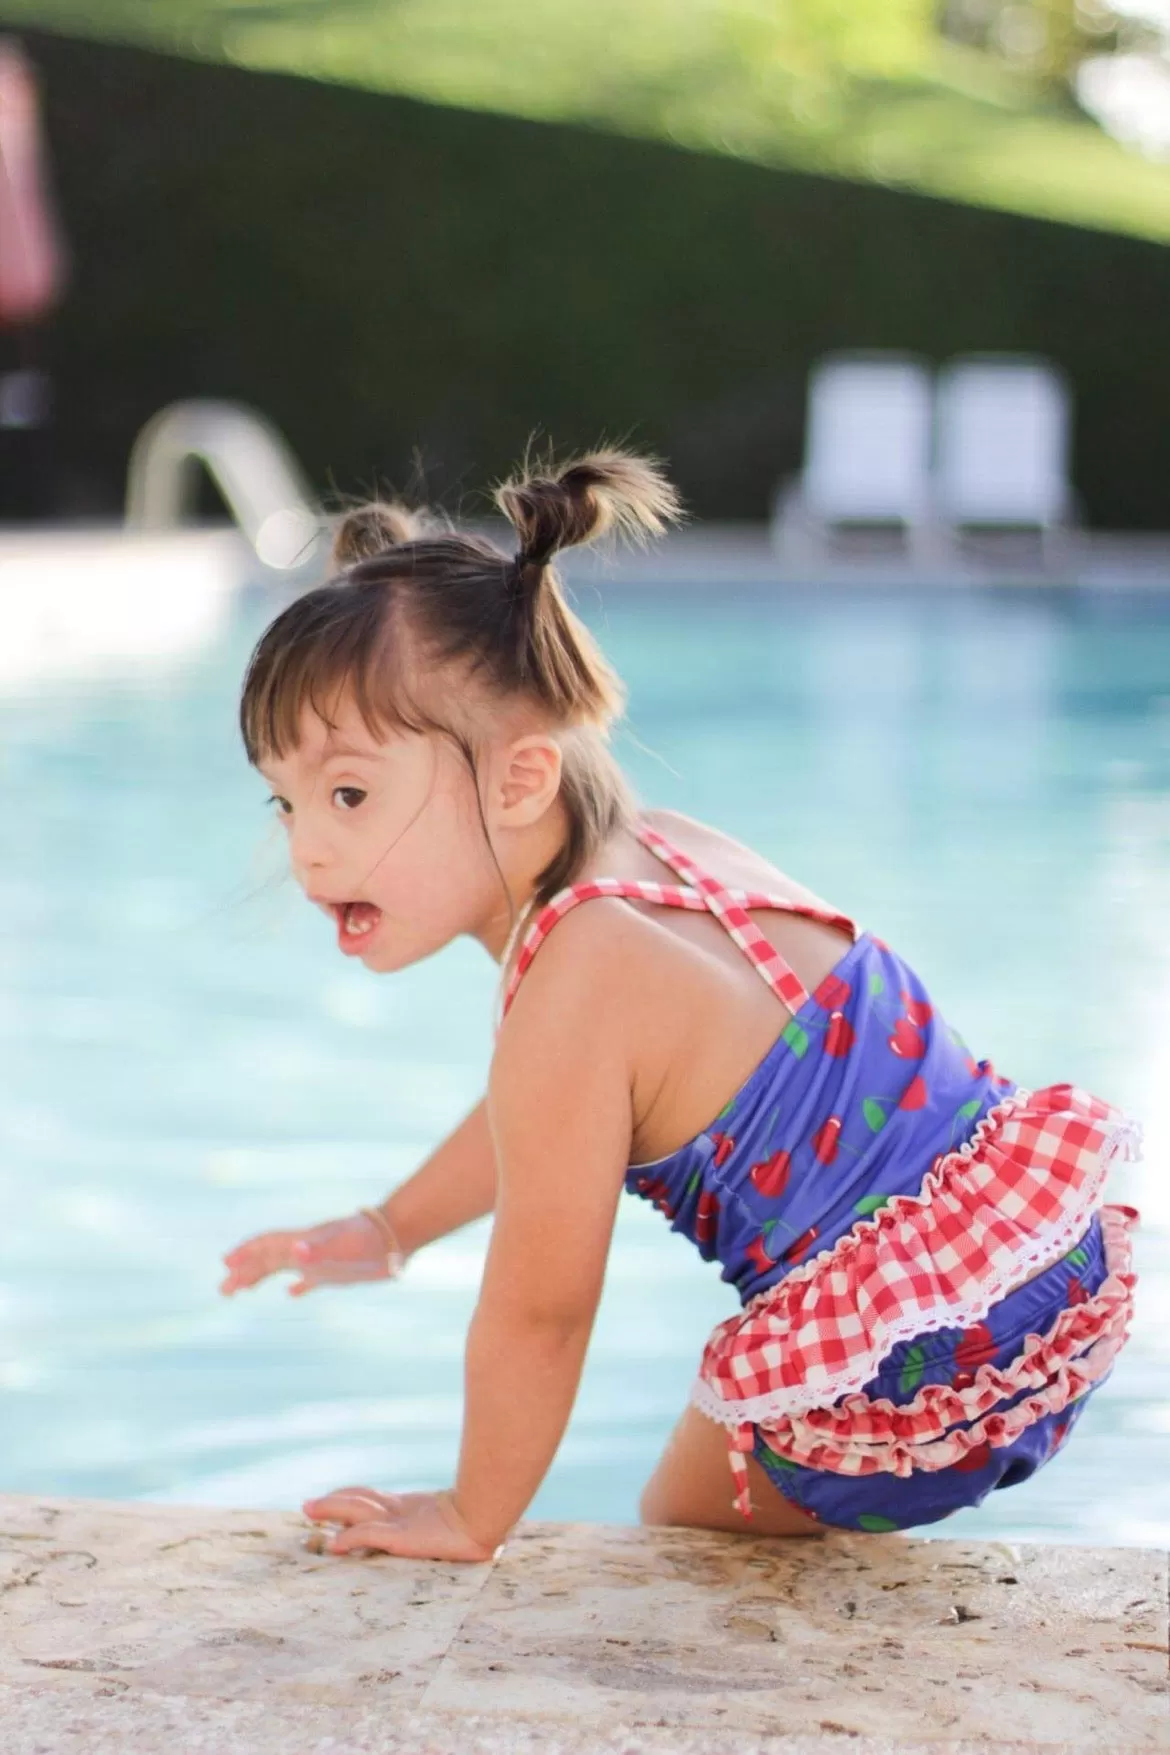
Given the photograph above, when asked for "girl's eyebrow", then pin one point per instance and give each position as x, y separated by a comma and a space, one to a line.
348, 749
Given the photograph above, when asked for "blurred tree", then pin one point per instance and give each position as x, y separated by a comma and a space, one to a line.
1049, 39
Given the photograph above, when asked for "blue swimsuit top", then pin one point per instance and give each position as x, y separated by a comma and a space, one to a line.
863, 1089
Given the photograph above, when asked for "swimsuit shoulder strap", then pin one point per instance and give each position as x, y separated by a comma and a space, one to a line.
700, 892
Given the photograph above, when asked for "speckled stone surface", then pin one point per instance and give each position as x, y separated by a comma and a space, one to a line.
155, 1628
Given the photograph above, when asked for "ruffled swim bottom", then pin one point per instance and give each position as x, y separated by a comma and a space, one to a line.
905, 1372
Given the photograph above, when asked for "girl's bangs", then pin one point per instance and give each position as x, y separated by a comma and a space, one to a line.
308, 662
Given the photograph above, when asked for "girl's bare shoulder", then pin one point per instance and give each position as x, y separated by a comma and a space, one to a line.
733, 863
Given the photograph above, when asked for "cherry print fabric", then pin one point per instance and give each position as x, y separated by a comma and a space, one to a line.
870, 1186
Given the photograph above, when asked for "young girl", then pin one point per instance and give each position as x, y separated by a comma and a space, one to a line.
931, 1287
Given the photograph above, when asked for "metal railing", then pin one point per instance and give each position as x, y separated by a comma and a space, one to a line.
250, 464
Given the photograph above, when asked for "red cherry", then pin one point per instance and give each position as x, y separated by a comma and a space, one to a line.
771, 1176
914, 1096
907, 1040
825, 1139
724, 1146
975, 1348
654, 1189
978, 1458
1077, 1293
832, 992
758, 1255
973, 1067
802, 1244
879, 942
918, 1010
962, 1380
1059, 1433
839, 1036
706, 1217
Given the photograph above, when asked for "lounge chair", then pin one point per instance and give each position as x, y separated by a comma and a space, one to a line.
1002, 432
867, 454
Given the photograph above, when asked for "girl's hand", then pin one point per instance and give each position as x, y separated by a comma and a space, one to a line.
418, 1526
338, 1253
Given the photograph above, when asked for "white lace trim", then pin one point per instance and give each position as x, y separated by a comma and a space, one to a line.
1123, 1138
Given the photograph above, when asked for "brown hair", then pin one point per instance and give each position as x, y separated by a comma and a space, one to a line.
410, 585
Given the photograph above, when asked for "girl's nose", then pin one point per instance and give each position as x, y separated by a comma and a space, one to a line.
308, 851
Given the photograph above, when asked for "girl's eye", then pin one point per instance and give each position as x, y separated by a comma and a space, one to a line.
284, 808
348, 797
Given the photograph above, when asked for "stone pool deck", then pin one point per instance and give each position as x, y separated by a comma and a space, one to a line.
128, 1627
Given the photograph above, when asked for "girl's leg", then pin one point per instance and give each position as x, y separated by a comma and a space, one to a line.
692, 1486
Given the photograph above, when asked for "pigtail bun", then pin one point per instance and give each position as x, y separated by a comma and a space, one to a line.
603, 491
372, 529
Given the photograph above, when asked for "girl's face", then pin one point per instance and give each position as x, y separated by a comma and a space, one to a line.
386, 838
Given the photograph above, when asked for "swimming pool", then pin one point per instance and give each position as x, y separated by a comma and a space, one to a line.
981, 776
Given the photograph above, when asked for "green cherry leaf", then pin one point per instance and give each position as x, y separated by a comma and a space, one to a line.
773, 1457
694, 1181
874, 1114
912, 1371
967, 1110
726, 1111
1078, 1256
876, 984
869, 1520
796, 1037
872, 1203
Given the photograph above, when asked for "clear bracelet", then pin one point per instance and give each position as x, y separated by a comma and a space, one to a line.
395, 1254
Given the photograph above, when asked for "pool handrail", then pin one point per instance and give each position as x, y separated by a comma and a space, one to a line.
249, 462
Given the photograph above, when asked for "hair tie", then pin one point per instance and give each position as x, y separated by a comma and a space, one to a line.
520, 566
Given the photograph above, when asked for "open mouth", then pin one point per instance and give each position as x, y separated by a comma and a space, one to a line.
356, 922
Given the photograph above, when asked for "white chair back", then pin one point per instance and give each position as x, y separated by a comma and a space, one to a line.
1002, 427
867, 445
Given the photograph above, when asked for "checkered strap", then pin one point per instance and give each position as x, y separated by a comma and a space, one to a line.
699, 892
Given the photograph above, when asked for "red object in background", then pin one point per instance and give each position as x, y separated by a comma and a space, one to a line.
32, 256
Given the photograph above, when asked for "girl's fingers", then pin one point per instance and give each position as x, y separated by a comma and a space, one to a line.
381, 1535
351, 1505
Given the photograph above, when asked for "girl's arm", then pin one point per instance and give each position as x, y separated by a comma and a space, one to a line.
456, 1184
561, 1117
559, 1102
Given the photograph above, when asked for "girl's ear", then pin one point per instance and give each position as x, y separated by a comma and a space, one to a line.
530, 780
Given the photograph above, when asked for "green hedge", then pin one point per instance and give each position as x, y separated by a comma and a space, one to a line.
391, 281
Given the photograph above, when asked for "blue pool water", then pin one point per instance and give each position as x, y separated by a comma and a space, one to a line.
981, 777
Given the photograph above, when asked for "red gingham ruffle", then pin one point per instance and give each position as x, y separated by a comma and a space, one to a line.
862, 1437
1013, 1197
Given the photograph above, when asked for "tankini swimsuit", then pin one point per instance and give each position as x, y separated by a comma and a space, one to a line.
873, 1192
